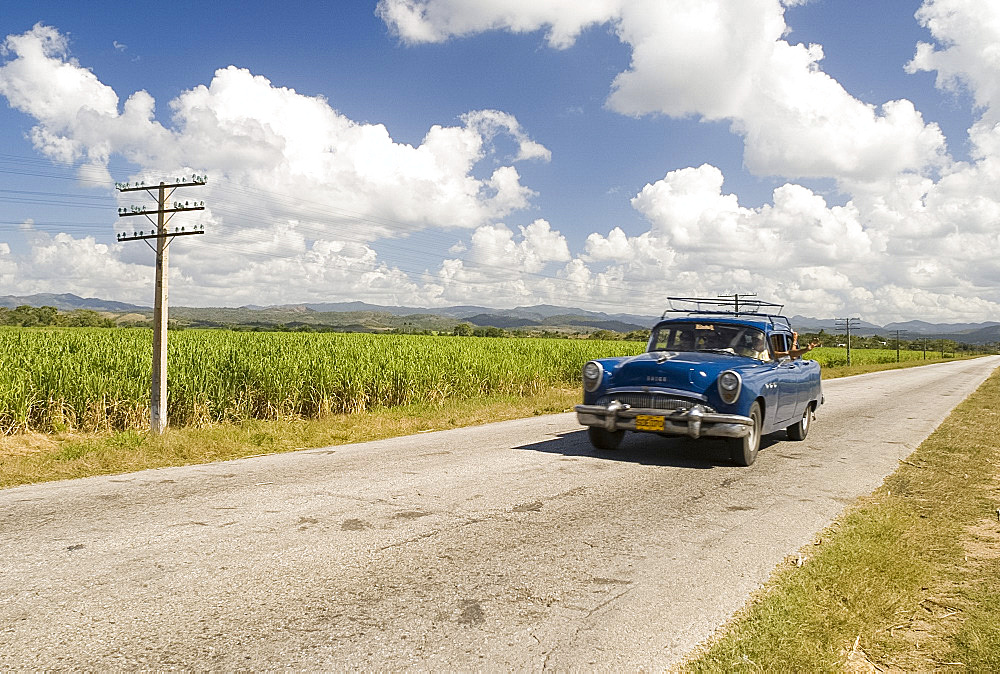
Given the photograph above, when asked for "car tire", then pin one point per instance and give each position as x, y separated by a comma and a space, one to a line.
602, 439
800, 430
743, 451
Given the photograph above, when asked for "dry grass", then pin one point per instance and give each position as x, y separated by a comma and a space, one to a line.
909, 580
34, 457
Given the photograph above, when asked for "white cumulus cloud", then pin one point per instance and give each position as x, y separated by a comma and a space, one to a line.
718, 60
423, 21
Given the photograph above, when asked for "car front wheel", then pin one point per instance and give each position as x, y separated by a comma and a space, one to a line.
602, 439
743, 451
800, 430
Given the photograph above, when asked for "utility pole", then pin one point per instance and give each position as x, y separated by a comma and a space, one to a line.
897, 343
736, 300
846, 324
162, 235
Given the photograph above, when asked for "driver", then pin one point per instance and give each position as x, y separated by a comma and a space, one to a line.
758, 348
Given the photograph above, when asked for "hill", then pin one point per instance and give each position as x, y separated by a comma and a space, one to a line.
364, 317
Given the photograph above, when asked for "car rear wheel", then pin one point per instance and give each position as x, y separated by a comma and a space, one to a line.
743, 451
800, 430
602, 439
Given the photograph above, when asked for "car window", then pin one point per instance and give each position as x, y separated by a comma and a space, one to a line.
779, 343
709, 336
677, 337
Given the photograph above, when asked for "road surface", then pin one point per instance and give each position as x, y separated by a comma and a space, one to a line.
508, 546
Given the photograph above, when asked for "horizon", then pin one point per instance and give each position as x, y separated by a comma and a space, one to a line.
527, 308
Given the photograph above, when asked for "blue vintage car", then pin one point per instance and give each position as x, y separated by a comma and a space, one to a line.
706, 373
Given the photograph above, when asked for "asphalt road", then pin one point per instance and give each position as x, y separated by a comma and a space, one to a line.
507, 546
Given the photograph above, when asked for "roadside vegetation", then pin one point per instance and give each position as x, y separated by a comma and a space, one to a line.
98, 380
907, 580
90, 380
28, 458
75, 402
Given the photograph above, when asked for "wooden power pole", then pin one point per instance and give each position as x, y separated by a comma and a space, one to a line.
847, 324
736, 300
162, 235
897, 342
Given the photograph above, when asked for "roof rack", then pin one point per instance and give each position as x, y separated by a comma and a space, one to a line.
732, 305
728, 305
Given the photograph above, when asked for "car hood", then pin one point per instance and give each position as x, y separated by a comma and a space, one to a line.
692, 371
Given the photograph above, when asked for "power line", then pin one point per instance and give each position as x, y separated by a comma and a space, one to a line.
162, 236
898, 332
353, 226
847, 324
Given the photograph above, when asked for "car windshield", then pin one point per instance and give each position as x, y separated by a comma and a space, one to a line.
739, 340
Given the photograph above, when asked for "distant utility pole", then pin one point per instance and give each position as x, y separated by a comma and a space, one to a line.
897, 342
847, 324
162, 235
736, 300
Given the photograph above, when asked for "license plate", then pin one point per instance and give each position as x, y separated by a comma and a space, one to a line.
646, 422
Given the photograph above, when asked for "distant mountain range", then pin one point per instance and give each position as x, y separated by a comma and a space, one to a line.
361, 316
970, 333
67, 302
540, 313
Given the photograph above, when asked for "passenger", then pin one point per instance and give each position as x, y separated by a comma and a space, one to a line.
758, 348
796, 351
720, 342
685, 341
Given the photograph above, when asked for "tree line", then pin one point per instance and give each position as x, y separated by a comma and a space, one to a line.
469, 330
30, 317
928, 344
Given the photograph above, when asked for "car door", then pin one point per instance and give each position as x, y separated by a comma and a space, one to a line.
788, 376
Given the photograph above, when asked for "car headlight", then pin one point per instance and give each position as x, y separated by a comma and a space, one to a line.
730, 384
593, 373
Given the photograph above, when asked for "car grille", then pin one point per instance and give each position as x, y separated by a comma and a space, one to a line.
656, 401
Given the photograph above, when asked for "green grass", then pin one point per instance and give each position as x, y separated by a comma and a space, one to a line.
57, 380
910, 575
830, 356
836, 371
98, 380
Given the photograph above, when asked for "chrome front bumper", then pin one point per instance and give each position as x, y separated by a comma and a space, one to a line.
693, 422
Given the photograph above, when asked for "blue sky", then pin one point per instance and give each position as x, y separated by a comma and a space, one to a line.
500, 152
